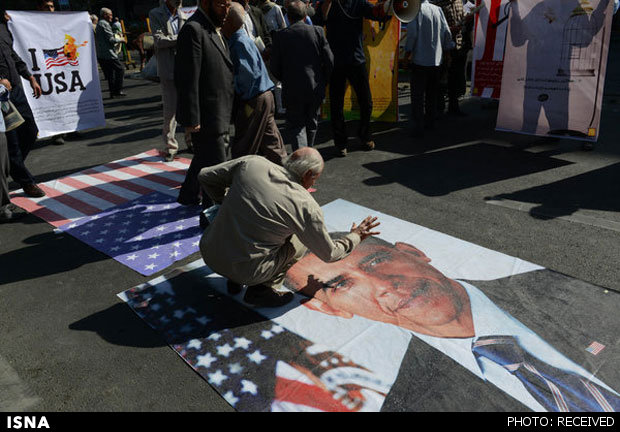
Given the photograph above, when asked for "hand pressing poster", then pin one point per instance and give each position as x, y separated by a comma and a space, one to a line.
554, 67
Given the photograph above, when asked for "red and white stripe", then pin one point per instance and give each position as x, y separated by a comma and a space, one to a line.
94, 190
598, 396
560, 402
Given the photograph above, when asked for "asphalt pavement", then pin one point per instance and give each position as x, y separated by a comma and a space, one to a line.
67, 343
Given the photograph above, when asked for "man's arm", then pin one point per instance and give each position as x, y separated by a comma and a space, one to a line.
162, 40
216, 179
188, 62
23, 71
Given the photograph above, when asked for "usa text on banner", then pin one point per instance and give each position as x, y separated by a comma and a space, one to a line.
89, 192
488, 52
554, 68
59, 50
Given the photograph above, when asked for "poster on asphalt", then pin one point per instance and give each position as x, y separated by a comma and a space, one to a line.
488, 52
59, 50
554, 68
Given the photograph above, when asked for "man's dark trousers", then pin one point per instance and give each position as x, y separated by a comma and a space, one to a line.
424, 89
357, 76
209, 150
21, 139
114, 72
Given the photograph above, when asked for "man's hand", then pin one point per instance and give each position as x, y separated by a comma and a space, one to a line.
364, 230
192, 129
6, 83
36, 88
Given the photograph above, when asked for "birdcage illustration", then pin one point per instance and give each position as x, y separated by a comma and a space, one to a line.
579, 53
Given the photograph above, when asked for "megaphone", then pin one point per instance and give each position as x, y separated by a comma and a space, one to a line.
404, 10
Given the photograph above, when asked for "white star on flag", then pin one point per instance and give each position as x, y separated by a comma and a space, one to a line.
257, 357
178, 314
161, 228
231, 398
104, 232
180, 227
85, 233
99, 240
196, 243
242, 343
135, 247
203, 320
248, 387
266, 334
132, 257
73, 225
235, 368
153, 256
205, 360
225, 350
94, 217
174, 254
217, 377
195, 344
108, 224
115, 248
215, 336
176, 244
150, 267
277, 329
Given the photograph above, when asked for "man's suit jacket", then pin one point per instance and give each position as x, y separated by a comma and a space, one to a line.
258, 19
302, 60
165, 40
203, 76
558, 308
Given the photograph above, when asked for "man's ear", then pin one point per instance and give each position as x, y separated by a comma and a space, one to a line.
412, 250
319, 306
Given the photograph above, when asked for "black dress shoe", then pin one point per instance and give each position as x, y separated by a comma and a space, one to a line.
184, 200
32, 190
233, 287
263, 296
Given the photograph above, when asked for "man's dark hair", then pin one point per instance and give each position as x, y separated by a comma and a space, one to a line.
296, 11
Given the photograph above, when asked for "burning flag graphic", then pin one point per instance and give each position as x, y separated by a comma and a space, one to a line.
65, 55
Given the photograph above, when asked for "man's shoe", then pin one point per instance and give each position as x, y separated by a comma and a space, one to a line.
183, 200
369, 145
32, 190
233, 287
8, 215
169, 157
342, 152
263, 296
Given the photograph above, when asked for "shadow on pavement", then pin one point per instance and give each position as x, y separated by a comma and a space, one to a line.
595, 190
442, 172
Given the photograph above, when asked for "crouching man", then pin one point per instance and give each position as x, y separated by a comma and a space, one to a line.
267, 221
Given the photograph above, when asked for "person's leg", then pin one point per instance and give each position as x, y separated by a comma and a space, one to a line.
430, 102
119, 76
247, 123
456, 82
7, 213
213, 154
358, 77
169, 99
296, 125
270, 293
189, 194
312, 121
418, 89
337, 86
108, 73
271, 144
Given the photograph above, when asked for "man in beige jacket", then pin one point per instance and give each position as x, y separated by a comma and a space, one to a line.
267, 221
166, 22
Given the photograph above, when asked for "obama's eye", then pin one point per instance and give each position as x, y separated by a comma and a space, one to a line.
374, 260
338, 283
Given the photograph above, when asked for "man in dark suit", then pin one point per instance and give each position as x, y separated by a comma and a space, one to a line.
204, 79
302, 59
21, 139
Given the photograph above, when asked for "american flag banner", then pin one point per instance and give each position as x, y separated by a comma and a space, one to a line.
147, 234
57, 57
595, 348
254, 363
91, 191
489, 43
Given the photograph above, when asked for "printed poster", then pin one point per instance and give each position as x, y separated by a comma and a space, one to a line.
488, 52
59, 49
555, 62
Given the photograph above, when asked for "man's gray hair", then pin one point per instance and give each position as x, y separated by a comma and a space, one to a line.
104, 11
303, 160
